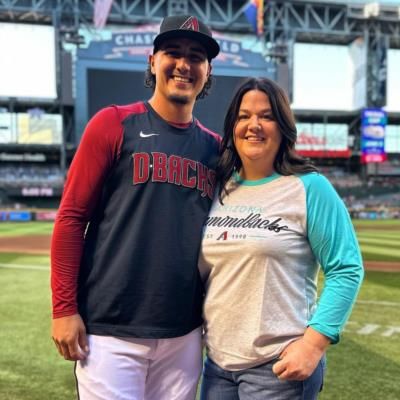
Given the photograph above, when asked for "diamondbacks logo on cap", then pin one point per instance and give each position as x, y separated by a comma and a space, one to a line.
192, 24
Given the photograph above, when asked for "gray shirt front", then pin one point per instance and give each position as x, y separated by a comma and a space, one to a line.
259, 262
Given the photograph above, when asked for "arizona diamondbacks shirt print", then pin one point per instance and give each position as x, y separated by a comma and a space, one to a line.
261, 251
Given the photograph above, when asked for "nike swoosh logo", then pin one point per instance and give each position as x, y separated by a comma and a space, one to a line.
141, 134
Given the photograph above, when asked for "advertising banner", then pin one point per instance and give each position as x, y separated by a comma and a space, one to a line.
33, 127
238, 51
45, 215
39, 128
37, 192
19, 216
373, 125
322, 140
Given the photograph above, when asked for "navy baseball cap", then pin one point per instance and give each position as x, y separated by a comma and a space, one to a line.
187, 26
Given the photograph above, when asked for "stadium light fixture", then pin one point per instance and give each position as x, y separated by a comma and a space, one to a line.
371, 10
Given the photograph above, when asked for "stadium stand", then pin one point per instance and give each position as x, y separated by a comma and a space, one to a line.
78, 90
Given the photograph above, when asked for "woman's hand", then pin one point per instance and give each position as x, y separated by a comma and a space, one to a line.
300, 358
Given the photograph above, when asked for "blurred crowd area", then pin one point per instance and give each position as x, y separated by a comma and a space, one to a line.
17, 176
376, 197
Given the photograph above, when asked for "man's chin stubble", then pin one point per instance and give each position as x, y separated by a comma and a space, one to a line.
174, 98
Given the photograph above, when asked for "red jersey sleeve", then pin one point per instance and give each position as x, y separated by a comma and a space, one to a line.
96, 154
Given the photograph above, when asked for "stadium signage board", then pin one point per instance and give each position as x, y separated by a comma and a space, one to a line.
322, 140
30, 128
27, 157
37, 191
136, 44
373, 125
27, 61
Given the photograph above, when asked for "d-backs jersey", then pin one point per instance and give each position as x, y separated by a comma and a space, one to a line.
138, 275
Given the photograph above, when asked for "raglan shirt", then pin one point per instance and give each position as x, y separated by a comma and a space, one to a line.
128, 230
260, 258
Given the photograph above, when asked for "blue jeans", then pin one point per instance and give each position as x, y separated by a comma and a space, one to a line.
257, 383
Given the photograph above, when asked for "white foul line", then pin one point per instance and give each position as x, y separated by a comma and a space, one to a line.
21, 266
379, 303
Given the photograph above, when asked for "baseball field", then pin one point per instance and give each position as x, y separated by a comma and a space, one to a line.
364, 365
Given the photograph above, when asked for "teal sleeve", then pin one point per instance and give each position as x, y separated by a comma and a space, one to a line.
333, 241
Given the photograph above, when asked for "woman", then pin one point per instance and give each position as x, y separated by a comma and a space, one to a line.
274, 222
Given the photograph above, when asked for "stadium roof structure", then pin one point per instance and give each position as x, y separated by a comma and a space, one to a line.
332, 20
359, 2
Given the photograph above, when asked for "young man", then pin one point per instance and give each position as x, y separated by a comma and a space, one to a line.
127, 293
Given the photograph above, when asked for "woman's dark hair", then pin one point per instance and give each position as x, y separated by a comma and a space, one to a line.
287, 161
150, 82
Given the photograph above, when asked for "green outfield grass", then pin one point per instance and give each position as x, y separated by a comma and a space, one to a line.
29, 367
25, 228
379, 240
377, 223
364, 365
